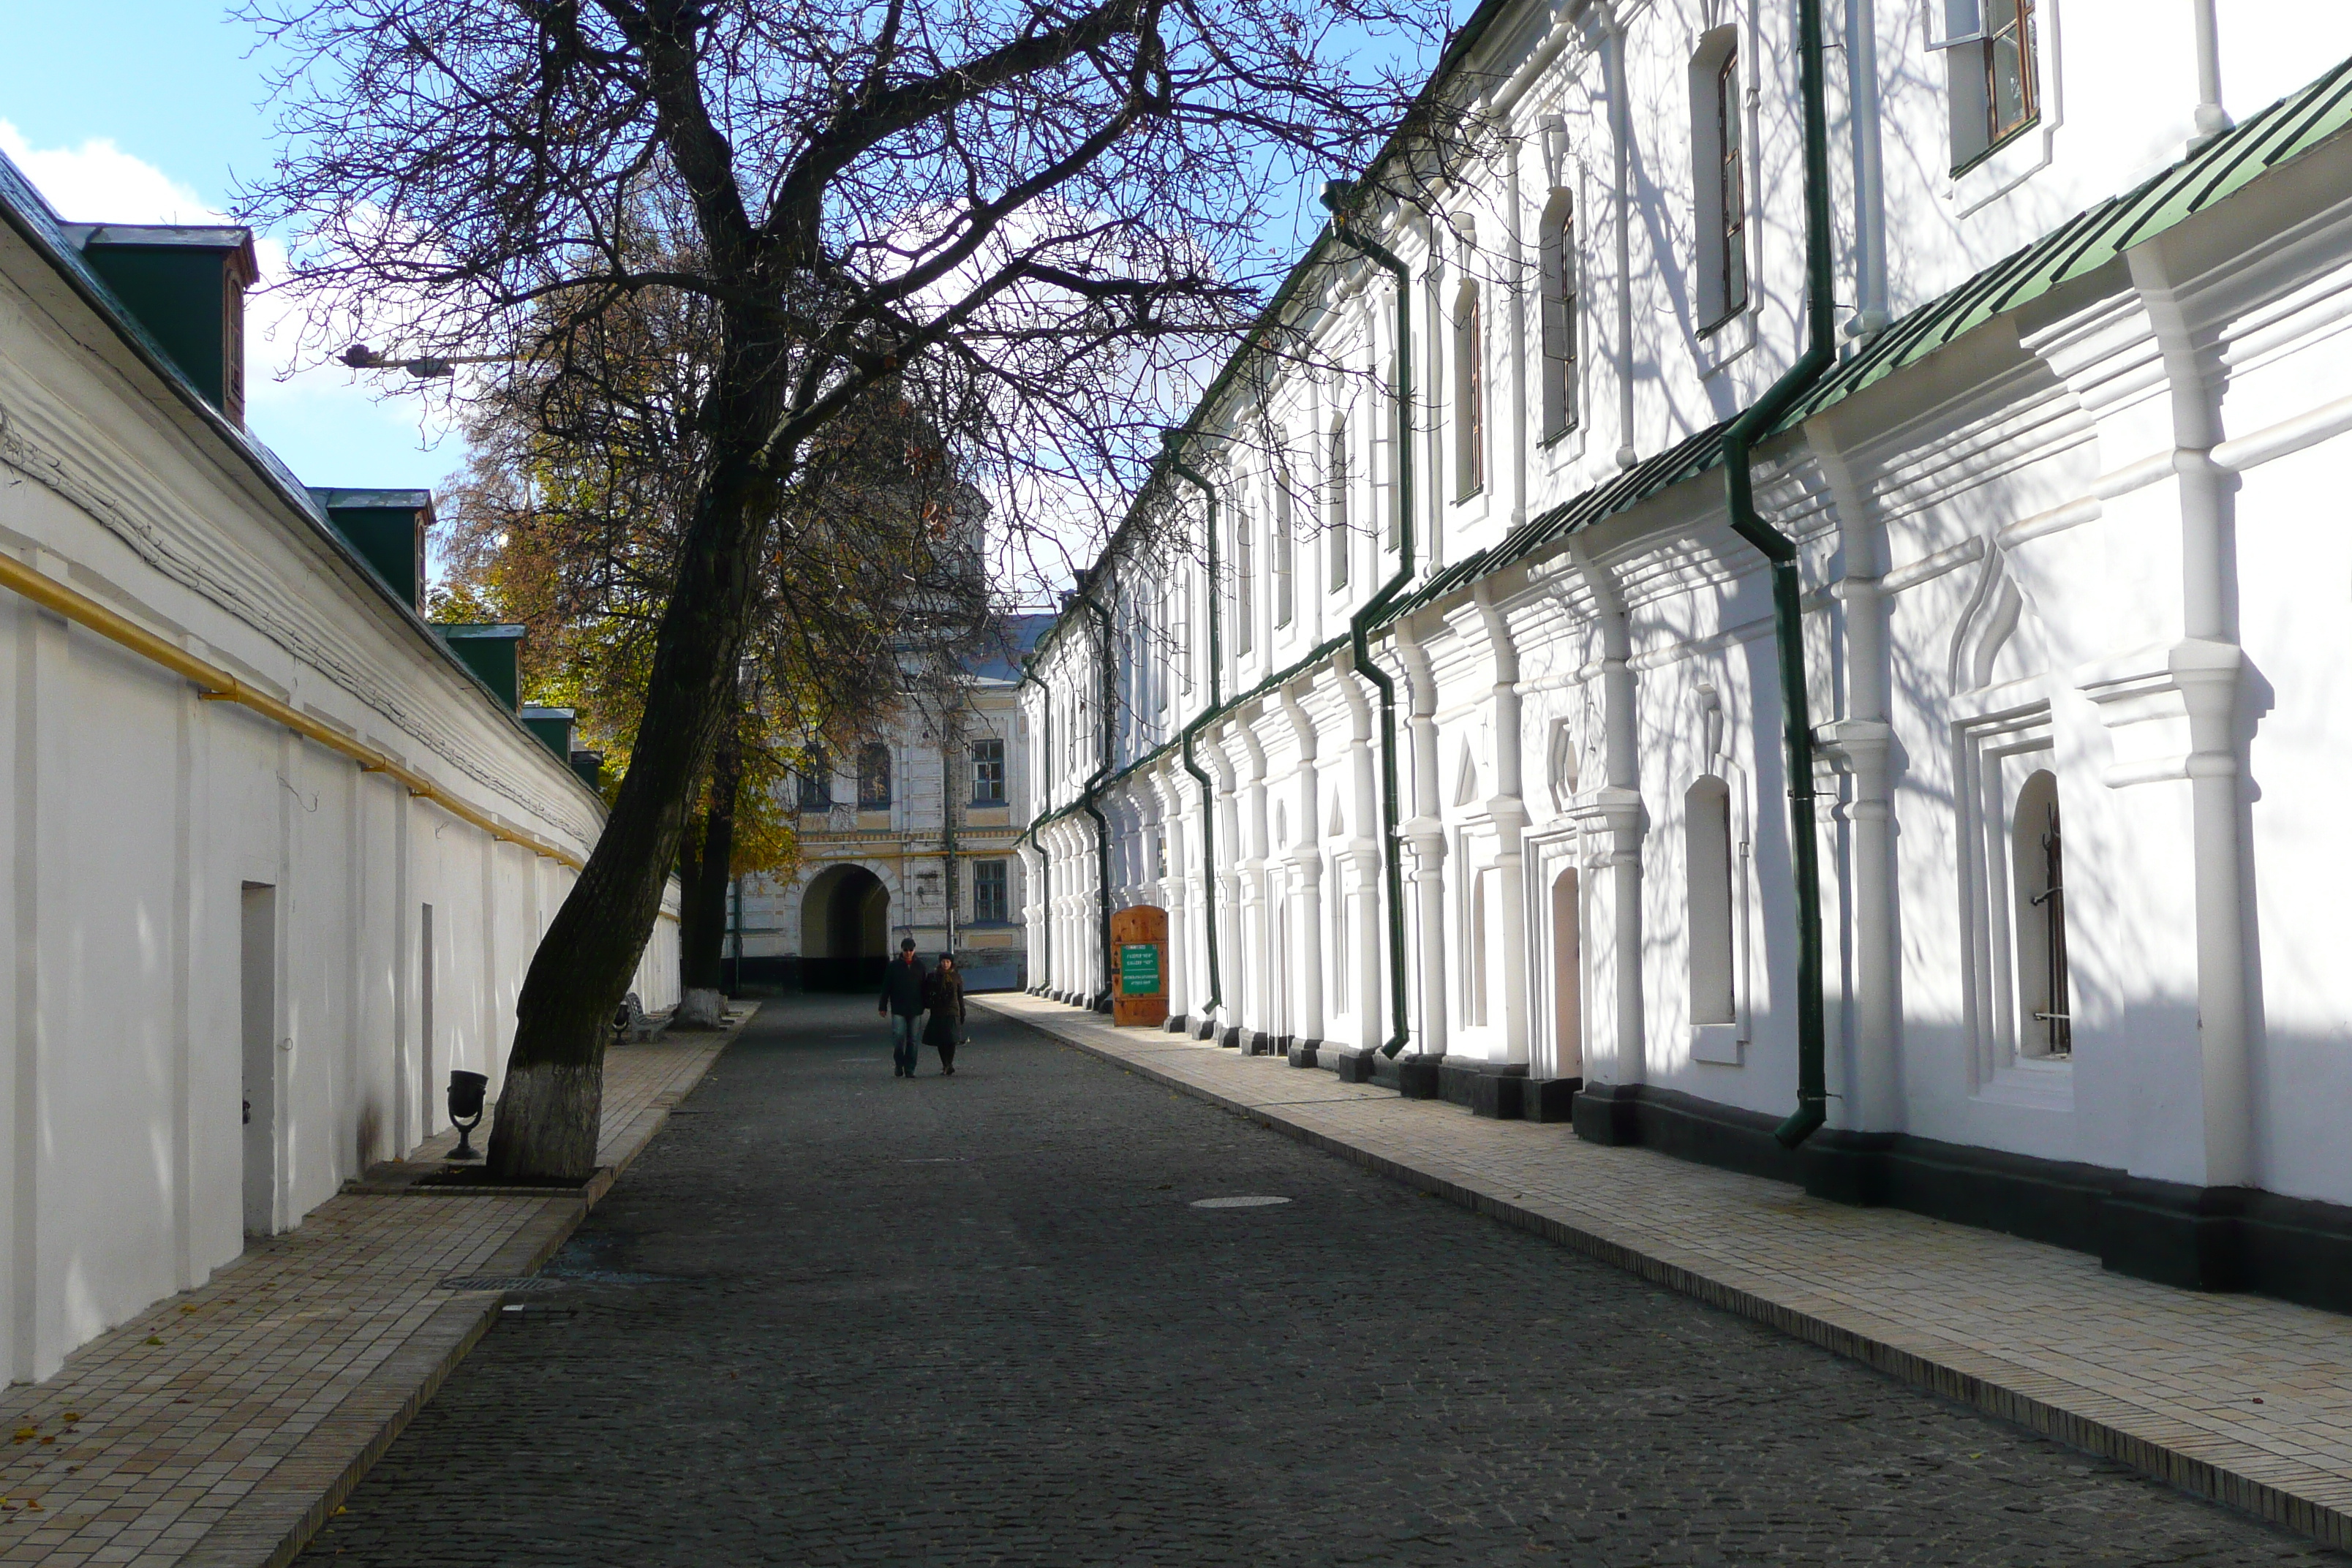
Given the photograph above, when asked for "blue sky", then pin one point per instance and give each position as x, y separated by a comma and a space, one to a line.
138, 110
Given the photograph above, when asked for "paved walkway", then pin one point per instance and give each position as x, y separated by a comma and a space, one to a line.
219, 1428
2239, 1398
1049, 1312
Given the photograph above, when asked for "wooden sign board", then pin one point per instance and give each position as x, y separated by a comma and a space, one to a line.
1139, 935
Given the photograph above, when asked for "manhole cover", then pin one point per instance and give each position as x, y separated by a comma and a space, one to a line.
1246, 1202
500, 1282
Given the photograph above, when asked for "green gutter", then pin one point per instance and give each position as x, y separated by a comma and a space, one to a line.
1787, 611
1335, 194
1174, 442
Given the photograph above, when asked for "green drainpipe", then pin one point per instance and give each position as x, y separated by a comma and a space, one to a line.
1335, 195
1174, 440
1088, 796
1788, 612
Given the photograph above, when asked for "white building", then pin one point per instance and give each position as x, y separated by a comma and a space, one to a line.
278, 855
2069, 540
911, 834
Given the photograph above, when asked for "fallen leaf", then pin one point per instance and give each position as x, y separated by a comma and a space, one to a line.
153, 1341
46, 1439
73, 1415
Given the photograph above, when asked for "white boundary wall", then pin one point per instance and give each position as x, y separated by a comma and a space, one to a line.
143, 824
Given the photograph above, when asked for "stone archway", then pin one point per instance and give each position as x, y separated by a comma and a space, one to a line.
845, 930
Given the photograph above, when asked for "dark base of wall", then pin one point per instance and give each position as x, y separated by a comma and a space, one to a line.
2198, 1238
1231, 1039
1206, 1029
1550, 1098
1305, 1053
1259, 1044
1177, 1024
1416, 1077
1493, 1089
1351, 1066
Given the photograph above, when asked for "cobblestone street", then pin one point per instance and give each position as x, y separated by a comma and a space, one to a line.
833, 1317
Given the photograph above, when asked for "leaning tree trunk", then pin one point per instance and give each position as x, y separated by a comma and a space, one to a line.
702, 902
551, 1106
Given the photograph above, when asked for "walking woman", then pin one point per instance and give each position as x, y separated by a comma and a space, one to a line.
943, 995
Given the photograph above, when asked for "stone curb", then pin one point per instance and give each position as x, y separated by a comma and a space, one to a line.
256, 1532
1989, 1393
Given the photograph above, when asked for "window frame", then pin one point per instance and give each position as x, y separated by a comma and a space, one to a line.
816, 780
992, 877
1338, 547
1469, 391
1557, 323
981, 776
870, 798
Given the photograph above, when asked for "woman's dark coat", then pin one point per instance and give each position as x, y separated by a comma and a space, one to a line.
943, 995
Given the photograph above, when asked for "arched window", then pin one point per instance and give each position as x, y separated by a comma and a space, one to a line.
816, 780
1719, 165
873, 777
2045, 1028
1559, 313
1469, 395
1244, 578
1707, 870
1281, 552
1473, 993
1336, 542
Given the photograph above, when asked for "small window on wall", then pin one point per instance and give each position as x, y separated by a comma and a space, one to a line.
1993, 70
1335, 506
816, 780
1474, 998
1707, 870
1469, 395
874, 777
1281, 549
992, 898
1559, 311
1244, 581
1718, 165
988, 772
2045, 1025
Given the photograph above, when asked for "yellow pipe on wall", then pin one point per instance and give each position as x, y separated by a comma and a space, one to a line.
219, 686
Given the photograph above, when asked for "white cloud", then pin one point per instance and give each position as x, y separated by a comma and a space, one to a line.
100, 183
325, 420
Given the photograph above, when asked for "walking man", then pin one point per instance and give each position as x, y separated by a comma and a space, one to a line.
902, 1004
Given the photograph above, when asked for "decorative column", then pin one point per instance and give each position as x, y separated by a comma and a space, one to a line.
1306, 861
1257, 915
1425, 835
1605, 1112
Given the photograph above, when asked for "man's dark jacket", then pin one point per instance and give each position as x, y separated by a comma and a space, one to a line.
902, 985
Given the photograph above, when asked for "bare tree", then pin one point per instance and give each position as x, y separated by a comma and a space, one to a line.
1041, 210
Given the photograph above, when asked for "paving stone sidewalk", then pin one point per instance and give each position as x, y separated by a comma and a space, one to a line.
2239, 1398
219, 1428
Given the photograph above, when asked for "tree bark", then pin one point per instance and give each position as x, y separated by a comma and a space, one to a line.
551, 1106
702, 904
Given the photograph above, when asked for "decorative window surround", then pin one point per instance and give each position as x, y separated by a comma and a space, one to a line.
1994, 750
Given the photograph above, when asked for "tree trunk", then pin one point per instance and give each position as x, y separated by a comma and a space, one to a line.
702, 905
552, 1103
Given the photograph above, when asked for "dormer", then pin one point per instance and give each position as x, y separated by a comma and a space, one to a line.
186, 286
553, 728
387, 528
490, 650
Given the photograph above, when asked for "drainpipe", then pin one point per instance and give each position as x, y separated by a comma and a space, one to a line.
1174, 440
1869, 316
1621, 137
1335, 194
2211, 119
1104, 765
1787, 609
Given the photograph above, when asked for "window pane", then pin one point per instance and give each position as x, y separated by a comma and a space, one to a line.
2009, 67
989, 891
987, 771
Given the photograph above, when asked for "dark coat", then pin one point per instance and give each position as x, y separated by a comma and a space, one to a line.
903, 981
943, 993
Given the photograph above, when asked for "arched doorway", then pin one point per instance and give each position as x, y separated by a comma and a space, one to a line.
845, 930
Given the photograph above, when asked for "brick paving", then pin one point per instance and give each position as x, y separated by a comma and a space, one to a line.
2240, 1398
220, 1426
835, 1318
